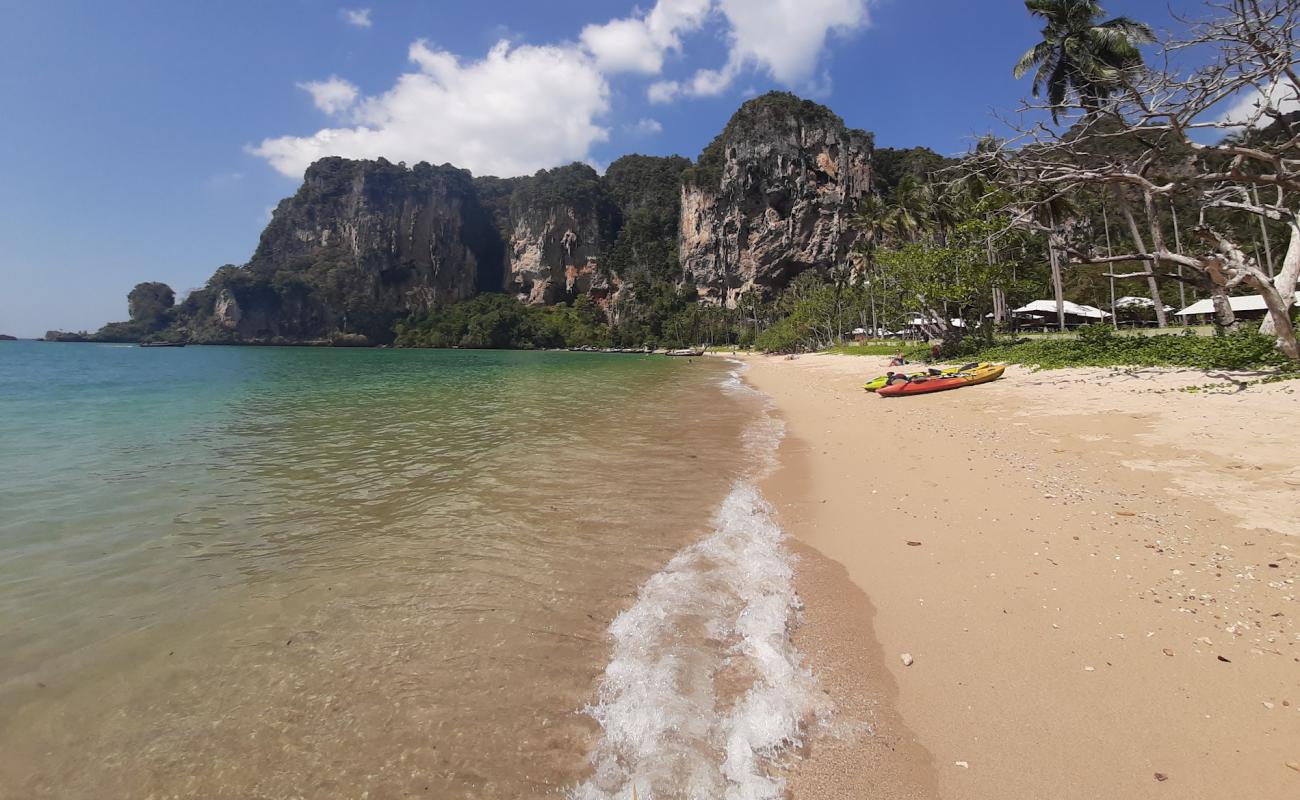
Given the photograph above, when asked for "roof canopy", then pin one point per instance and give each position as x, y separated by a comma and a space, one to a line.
1138, 302
1073, 309
1246, 302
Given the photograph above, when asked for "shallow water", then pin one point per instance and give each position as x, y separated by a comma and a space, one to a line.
247, 572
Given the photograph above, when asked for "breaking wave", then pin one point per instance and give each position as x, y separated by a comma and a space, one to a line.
705, 690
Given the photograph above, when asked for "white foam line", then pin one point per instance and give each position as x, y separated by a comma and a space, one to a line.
725, 603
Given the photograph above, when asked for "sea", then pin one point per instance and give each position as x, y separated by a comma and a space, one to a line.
353, 573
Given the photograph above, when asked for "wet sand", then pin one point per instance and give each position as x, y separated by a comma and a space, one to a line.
1099, 594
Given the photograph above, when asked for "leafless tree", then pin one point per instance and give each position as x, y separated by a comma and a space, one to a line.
1223, 138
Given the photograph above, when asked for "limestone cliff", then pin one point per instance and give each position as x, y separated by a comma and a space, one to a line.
360, 245
559, 223
363, 245
772, 197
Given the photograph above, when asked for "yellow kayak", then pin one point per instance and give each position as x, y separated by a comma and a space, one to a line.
982, 373
877, 383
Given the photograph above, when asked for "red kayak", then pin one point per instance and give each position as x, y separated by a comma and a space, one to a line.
922, 386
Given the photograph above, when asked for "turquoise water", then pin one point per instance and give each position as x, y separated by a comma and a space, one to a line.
273, 572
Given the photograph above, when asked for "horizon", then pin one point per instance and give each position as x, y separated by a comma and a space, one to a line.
202, 121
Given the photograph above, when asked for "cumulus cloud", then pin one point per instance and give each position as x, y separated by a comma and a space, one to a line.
523, 107
663, 91
783, 38
640, 42
333, 95
645, 127
357, 17
786, 37
1282, 96
515, 111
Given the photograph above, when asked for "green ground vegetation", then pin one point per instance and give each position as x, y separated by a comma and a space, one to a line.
1100, 346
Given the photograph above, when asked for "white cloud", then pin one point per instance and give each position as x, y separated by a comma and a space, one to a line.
663, 91
640, 42
517, 110
1282, 96
357, 17
645, 127
524, 107
784, 38
623, 45
333, 95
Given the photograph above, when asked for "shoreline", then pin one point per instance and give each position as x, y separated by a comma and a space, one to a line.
1102, 601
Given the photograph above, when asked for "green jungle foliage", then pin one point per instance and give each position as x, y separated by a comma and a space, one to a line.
648, 191
497, 321
577, 186
890, 166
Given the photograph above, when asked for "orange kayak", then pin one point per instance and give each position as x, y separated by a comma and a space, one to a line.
921, 386
983, 373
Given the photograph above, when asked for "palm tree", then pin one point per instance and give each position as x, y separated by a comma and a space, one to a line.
870, 219
1080, 53
905, 217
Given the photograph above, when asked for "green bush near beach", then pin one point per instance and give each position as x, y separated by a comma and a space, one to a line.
1099, 346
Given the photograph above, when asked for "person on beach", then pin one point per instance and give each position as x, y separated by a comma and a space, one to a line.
897, 360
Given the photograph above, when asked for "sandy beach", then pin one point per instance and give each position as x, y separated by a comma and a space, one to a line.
1095, 586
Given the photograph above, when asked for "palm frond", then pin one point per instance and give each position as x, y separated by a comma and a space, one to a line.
1112, 47
1046, 70
1058, 86
1035, 55
1047, 9
1136, 32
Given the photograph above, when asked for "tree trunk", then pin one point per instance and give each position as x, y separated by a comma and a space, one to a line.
1053, 256
1057, 288
1285, 281
1224, 318
1140, 243
1280, 313
1263, 232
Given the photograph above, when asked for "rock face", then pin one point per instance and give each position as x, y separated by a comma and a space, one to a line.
363, 245
772, 197
560, 222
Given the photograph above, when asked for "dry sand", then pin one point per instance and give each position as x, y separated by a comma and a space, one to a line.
1102, 603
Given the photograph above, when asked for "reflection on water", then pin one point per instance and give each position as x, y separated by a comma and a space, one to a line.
275, 573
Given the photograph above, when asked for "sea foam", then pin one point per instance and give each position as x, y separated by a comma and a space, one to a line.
704, 689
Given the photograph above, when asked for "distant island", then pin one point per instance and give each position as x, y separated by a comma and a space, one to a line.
371, 252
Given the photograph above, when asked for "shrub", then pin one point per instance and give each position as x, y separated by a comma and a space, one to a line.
1099, 346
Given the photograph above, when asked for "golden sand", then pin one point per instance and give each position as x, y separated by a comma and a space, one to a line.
1095, 585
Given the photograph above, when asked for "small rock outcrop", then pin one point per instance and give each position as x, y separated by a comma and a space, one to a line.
65, 336
150, 301
772, 197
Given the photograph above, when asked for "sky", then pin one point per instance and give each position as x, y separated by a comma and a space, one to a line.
150, 140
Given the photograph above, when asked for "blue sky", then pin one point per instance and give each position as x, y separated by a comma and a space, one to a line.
149, 140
